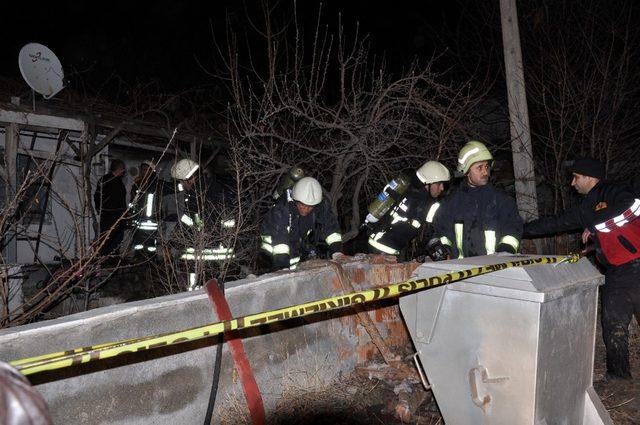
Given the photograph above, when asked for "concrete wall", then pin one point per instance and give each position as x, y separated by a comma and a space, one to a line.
172, 385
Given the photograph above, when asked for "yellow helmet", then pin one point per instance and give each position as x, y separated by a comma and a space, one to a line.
471, 153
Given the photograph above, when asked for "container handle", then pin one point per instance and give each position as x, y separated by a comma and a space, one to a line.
479, 375
423, 375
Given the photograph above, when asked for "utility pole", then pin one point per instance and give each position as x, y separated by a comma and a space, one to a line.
525, 184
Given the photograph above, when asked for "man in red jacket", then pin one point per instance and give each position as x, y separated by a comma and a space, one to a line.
609, 217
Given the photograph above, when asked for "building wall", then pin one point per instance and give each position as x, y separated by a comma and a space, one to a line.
62, 233
63, 220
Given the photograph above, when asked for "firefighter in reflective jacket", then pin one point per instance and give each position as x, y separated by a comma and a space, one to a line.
183, 211
145, 203
478, 219
297, 223
609, 217
416, 209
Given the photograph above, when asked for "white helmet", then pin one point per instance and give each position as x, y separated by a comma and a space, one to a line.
184, 169
308, 191
432, 172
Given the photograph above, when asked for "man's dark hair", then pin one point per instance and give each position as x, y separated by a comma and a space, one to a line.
116, 164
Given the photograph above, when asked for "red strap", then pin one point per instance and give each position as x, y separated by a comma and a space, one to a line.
240, 359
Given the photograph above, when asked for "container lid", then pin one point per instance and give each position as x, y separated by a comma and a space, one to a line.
538, 283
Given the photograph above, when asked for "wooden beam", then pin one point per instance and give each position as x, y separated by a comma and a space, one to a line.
40, 120
56, 122
158, 132
522, 151
11, 142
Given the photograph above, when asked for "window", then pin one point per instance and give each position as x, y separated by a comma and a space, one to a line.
31, 207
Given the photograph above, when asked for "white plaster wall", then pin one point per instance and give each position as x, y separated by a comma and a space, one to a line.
60, 235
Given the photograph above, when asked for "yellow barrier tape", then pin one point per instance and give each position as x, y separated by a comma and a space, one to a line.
76, 356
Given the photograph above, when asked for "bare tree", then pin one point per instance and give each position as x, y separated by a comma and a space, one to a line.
584, 89
318, 99
579, 63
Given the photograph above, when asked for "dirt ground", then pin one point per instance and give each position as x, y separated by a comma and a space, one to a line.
621, 398
358, 400
392, 399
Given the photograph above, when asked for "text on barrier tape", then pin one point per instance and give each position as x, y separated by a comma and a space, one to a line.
69, 358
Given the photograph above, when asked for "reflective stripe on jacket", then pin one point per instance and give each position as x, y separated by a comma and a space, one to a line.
403, 222
285, 234
479, 221
605, 201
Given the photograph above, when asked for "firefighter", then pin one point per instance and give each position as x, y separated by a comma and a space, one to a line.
478, 219
416, 209
298, 225
608, 217
183, 215
145, 201
110, 200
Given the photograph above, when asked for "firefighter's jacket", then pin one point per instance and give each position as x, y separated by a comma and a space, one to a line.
181, 207
404, 221
478, 221
145, 203
287, 236
608, 211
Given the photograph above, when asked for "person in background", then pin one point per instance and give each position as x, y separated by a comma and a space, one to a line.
145, 201
110, 201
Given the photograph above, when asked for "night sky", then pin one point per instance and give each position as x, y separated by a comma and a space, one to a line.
171, 41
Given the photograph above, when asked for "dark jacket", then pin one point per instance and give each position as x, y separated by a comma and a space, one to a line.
403, 222
179, 204
604, 201
142, 202
110, 198
287, 236
478, 221
601, 203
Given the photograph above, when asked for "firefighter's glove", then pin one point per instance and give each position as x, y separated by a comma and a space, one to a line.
437, 251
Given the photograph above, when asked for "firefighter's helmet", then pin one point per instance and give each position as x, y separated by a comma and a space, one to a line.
471, 153
433, 172
308, 191
184, 169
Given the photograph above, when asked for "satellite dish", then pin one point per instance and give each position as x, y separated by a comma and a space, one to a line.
41, 69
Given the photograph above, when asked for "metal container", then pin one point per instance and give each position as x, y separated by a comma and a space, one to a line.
511, 347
